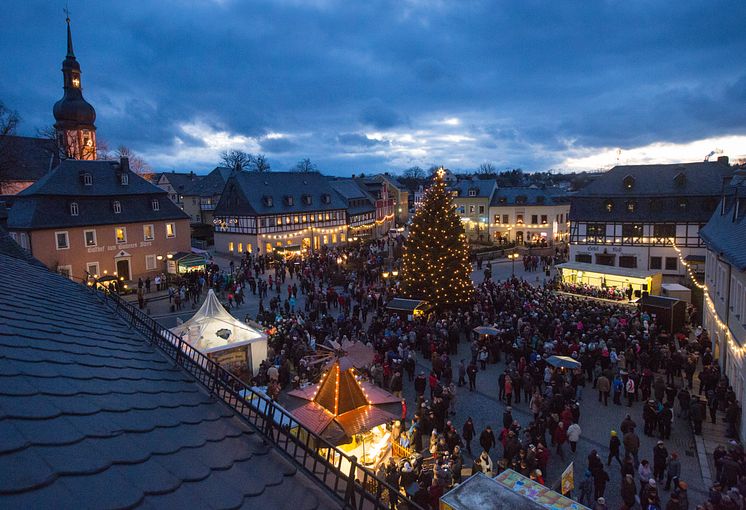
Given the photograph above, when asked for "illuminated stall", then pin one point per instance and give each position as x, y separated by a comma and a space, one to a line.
596, 275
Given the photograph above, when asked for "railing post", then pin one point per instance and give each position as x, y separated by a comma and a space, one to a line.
270, 421
350, 489
178, 352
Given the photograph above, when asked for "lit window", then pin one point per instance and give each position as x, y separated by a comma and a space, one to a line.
90, 237
230, 246
63, 243
631, 206
74, 211
240, 247
120, 233
117, 207
148, 232
170, 230
76, 82
155, 204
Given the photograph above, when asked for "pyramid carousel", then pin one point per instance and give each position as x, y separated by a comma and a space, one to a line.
343, 409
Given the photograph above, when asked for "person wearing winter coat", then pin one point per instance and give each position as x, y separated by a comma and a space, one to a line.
468, 433
600, 480
487, 439
573, 436
673, 470
560, 437
660, 456
614, 444
604, 388
629, 491
585, 489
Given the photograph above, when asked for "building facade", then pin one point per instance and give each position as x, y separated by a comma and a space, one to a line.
176, 184
361, 208
98, 218
529, 216
202, 197
637, 217
724, 314
279, 212
399, 194
472, 201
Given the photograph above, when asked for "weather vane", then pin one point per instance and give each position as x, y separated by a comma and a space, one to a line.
66, 10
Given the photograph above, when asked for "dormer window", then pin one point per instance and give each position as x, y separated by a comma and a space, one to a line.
680, 180
124, 179
267, 201
87, 179
540, 199
503, 200
74, 211
307, 200
288, 200
631, 205
326, 198
609, 206
472, 192
520, 199
628, 182
117, 206
155, 204
683, 204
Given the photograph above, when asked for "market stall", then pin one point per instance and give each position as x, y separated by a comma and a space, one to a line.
410, 307
216, 333
184, 262
631, 281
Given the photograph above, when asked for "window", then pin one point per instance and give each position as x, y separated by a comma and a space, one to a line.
481, 209
629, 182
74, 210
148, 232
683, 203
125, 179
519, 219
472, 192
534, 219
631, 232
150, 262
117, 207
596, 232
288, 200
120, 234
240, 247
544, 219
230, 246
609, 206
66, 271
471, 209
671, 263
604, 259
664, 232
89, 238
170, 230
583, 257
505, 218
87, 179
92, 269
627, 261
497, 218
656, 262
63, 243
631, 205
155, 204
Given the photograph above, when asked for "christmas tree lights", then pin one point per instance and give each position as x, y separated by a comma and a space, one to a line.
436, 264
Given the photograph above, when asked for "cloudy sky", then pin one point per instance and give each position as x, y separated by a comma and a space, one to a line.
384, 85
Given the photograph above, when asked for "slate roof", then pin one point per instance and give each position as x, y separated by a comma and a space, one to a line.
181, 181
700, 179
46, 203
92, 416
211, 184
484, 187
657, 192
359, 201
24, 158
245, 191
532, 196
726, 234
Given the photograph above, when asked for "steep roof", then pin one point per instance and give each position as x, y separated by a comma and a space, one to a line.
180, 181
678, 179
246, 193
211, 184
26, 159
93, 416
354, 191
726, 233
528, 196
484, 188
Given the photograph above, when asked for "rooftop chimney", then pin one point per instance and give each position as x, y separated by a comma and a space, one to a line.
723, 160
124, 164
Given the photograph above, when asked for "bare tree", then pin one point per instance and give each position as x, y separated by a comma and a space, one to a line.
260, 163
414, 172
103, 151
305, 166
237, 159
9, 120
137, 164
487, 168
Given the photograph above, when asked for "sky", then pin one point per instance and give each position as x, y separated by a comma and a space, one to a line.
385, 85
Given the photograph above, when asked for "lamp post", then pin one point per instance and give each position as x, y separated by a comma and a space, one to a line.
512, 257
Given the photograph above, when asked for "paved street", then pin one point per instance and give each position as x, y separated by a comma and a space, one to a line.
486, 409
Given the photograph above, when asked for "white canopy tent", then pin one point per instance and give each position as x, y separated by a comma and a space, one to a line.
212, 330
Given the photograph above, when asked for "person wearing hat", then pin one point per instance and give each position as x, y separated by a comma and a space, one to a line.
585, 489
614, 445
600, 504
660, 458
629, 490
680, 489
483, 463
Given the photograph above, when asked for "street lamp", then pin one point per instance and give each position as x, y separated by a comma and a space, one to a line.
512, 257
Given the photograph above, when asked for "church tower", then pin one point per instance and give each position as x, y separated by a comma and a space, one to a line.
74, 116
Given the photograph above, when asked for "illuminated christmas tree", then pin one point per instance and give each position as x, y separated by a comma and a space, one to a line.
436, 264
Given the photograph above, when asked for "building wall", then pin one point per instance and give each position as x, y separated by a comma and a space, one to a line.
555, 230
237, 244
724, 317
475, 223
76, 259
191, 206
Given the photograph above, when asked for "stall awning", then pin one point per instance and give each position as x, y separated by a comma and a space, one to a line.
407, 305
626, 272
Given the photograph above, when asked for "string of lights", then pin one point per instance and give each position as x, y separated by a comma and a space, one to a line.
734, 347
308, 230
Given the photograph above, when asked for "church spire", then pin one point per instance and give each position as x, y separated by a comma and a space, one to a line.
70, 52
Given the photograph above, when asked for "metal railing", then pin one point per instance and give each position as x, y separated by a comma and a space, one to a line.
341, 474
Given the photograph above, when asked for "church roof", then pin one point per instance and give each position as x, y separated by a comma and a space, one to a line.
72, 110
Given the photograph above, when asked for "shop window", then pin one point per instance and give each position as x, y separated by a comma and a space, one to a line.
628, 261
583, 257
230, 246
672, 264
656, 262
240, 247
604, 259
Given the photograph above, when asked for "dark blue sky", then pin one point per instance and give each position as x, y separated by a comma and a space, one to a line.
383, 85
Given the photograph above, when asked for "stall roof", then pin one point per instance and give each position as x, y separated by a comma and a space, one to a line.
406, 305
597, 268
481, 491
659, 301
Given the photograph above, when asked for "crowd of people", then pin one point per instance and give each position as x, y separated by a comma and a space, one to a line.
625, 357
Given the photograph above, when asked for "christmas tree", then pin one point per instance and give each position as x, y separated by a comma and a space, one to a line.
436, 264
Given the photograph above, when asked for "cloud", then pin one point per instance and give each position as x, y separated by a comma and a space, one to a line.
356, 139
